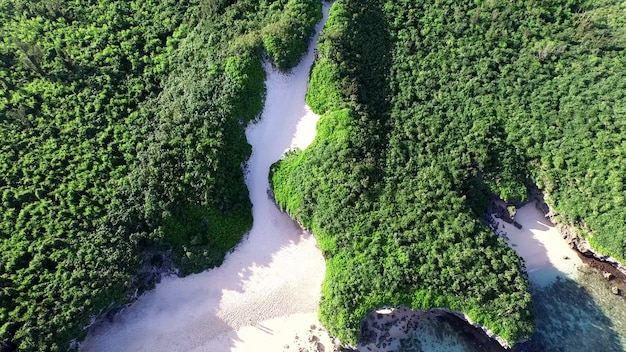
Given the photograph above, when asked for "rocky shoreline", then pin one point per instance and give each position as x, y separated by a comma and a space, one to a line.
570, 234
611, 268
481, 333
403, 329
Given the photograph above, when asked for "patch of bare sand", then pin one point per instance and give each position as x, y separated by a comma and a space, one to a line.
297, 333
544, 251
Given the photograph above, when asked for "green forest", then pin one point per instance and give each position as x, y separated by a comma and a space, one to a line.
123, 148
122, 126
429, 108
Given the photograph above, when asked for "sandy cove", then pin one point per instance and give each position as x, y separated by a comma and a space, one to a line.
539, 243
546, 255
551, 248
267, 291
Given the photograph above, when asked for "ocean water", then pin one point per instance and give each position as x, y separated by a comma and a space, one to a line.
403, 329
578, 314
574, 308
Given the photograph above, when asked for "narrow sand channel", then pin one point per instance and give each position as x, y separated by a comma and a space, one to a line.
268, 289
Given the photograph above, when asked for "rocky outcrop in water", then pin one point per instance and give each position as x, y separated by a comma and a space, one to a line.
404, 329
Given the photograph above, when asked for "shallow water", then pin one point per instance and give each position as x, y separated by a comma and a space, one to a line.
573, 304
574, 308
273, 277
406, 330
578, 315
275, 272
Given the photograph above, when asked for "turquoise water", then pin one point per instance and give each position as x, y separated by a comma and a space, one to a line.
441, 335
574, 308
578, 314
417, 331
573, 314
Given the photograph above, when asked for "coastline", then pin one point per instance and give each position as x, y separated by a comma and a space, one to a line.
398, 328
559, 256
585, 250
268, 288
546, 255
554, 263
586, 253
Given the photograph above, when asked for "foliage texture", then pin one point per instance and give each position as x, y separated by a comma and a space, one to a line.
429, 107
122, 127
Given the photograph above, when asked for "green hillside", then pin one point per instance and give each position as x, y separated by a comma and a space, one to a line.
430, 107
122, 144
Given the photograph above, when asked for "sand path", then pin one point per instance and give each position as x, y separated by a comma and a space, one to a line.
268, 288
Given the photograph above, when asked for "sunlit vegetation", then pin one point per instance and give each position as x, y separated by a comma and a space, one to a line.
428, 109
122, 126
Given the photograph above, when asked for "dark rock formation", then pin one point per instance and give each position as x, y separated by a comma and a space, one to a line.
404, 329
608, 276
499, 209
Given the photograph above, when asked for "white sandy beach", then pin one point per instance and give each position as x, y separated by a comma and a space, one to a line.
540, 244
546, 255
268, 289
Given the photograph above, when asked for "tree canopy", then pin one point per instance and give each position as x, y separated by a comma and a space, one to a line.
431, 107
122, 126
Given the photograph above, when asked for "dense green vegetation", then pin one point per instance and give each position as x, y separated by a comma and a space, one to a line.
122, 127
286, 39
429, 107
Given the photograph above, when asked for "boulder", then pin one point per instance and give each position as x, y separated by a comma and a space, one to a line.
583, 247
543, 207
607, 275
